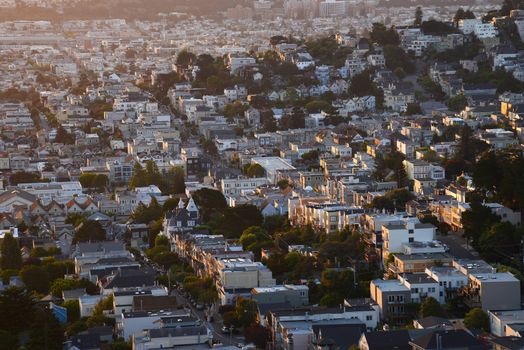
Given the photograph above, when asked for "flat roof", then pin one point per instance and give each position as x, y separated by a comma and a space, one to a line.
273, 163
390, 285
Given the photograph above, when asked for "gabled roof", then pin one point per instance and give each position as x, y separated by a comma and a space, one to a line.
342, 335
433, 321
391, 340
17, 193
453, 339
130, 278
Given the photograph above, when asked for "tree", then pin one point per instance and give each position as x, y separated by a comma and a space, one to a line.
62, 136
477, 319
35, 278
17, 310
11, 256
254, 170
257, 335
476, 219
234, 220
430, 307
396, 57
383, 36
246, 311
121, 344
98, 318
45, 332
230, 319
89, 231
500, 242
24, 177
255, 238
382, 203
185, 58
8, 340
457, 103
413, 108
317, 106
162, 240
293, 120
209, 201
174, 181
73, 310
139, 176
461, 14
418, 17
283, 184
146, 214
60, 284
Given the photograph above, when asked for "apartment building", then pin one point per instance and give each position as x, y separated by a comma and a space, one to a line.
233, 187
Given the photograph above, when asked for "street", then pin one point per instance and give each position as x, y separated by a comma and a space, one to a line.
215, 326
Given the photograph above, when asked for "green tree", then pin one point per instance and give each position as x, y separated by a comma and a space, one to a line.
255, 238
430, 307
476, 219
73, 310
477, 319
139, 176
162, 240
246, 312
209, 201
89, 231
35, 278
457, 103
234, 220
384, 36
8, 340
17, 310
45, 332
185, 58
174, 181
418, 17
254, 170
396, 57
11, 256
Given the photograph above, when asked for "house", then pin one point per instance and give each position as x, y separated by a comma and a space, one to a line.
15, 198
80, 205
252, 116
392, 298
295, 295
433, 322
385, 340
422, 286
500, 320
233, 187
133, 322
182, 219
397, 234
172, 337
447, 340
398, 99
488, 289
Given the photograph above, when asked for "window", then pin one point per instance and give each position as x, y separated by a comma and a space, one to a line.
411, 231
411, 239
369, 318
391, 298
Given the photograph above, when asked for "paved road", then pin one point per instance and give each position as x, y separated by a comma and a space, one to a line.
214, 326
457, 246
